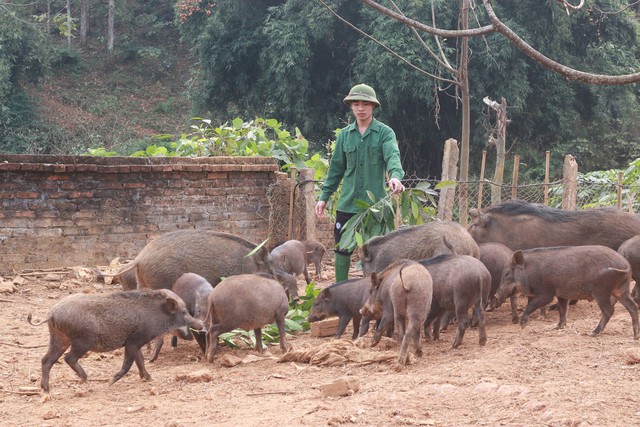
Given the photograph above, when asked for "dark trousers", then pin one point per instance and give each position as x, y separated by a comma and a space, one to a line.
338, 228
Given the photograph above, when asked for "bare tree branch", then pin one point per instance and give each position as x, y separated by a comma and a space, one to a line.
431, 30
385, 47
568, 5
569, 73
498, 26
443, 62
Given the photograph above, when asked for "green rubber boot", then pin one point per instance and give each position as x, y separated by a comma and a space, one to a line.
341, 264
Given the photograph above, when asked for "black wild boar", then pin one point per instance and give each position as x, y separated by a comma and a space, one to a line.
410, 290
570, 272
343, 299
521, 225
378, 307
314, 253
416, 243
630, 249
246, 301
194, 291
100, 323
460, 283
495, 256
290, 258
211, 254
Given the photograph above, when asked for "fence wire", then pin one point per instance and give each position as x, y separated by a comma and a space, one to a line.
590, 194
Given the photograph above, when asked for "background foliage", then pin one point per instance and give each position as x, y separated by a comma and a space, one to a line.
292, 61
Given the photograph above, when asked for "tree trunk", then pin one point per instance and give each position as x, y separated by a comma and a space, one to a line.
84, 21
498, 177
48, 16
69, 23
110, 25
463, 196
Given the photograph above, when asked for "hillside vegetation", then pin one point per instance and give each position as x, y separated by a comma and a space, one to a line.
118, 103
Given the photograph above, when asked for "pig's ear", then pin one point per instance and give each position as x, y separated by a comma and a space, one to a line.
365, 253
518, 258
171, 305
326, 293
474, 213
374, 280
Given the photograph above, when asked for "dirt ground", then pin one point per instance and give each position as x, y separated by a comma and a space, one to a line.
522, 377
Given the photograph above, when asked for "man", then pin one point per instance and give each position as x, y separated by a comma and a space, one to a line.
365, 151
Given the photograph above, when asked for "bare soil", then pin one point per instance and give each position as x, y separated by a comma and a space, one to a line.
532, 376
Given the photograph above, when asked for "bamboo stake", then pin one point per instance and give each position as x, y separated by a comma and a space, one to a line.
514, 180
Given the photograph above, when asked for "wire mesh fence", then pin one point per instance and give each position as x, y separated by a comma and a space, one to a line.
292, 221
589, 194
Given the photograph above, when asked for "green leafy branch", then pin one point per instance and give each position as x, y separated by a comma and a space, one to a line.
414, 205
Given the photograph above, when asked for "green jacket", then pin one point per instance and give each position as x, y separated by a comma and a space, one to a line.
360, 162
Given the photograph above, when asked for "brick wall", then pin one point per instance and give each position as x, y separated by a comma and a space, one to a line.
80, 210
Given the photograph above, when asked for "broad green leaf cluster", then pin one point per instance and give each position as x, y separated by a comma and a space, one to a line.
258, 137
413, 206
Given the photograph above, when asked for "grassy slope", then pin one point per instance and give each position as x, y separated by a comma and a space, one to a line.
116, 103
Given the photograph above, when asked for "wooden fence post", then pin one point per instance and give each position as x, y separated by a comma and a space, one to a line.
482, 167
449, 172
307, 197
292, 200
569, 183
546, 178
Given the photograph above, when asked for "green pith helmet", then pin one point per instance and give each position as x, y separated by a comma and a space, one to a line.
362, 92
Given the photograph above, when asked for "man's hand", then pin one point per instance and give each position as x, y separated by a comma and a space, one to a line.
394, 184
320, 208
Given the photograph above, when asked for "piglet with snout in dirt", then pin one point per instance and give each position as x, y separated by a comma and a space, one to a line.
246, 301
289, 258
194, 291
589, 272
100, 323
411, 290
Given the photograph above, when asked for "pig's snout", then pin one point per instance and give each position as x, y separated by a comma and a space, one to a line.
494, 303
197, 325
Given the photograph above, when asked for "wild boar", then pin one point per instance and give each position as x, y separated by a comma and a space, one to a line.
100, 323
460, 283
211, 254
246, 301
630, 249
290, 258
194, 291
315, 251
495, 256
590, 272
416, 243
521, 225
411, 290
343, 299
